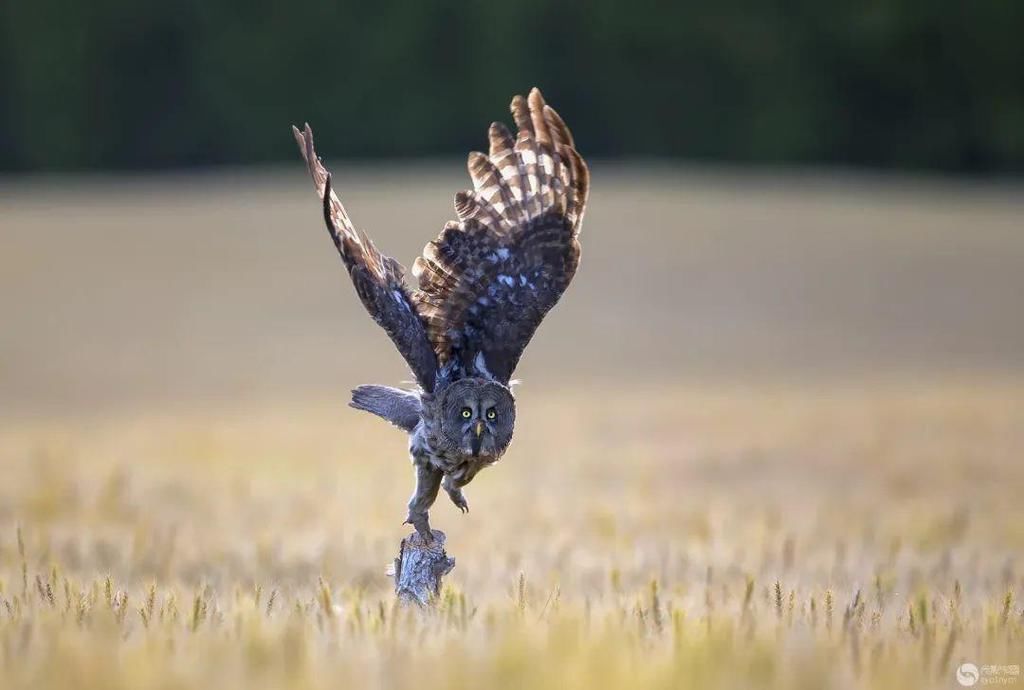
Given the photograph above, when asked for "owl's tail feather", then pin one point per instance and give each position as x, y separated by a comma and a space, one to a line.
401, 408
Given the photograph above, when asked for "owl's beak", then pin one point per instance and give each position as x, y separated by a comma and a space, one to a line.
478, 430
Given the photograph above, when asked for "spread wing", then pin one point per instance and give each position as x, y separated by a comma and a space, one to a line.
487, 281
379, 279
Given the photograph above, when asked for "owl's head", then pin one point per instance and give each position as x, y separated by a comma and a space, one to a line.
477, 417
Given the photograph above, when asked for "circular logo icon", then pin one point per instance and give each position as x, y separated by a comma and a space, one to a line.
967, 674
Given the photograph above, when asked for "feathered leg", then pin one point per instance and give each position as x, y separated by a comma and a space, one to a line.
454, 482
454, 489
428, 481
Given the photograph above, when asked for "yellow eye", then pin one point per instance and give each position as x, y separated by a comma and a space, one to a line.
491, 414
466, 413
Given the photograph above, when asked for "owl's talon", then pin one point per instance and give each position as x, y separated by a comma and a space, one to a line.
459, 500
422, 525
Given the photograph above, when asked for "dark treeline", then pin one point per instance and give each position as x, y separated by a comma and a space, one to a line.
126, 84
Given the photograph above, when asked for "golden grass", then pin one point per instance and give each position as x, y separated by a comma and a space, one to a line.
193, 513
667, 538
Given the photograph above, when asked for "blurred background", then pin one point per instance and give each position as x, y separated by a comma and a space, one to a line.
780, 190
889, 84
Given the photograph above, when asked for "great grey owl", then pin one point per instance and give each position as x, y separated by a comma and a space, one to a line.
484, 285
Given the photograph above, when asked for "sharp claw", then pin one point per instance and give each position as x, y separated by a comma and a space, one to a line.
460, 501
422, 529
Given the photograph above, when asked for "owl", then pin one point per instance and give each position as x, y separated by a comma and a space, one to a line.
482, 288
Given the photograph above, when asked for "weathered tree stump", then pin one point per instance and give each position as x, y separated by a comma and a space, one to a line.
420, 567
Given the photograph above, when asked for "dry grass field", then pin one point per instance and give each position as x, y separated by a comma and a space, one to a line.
772, 437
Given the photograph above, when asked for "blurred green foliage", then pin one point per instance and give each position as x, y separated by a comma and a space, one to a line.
139, 84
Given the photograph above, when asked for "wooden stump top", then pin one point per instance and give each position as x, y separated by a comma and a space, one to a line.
420, 568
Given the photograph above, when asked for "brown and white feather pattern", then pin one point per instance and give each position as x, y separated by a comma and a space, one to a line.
379, 280
489, 278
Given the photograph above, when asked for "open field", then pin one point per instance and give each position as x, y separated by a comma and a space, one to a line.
773, 437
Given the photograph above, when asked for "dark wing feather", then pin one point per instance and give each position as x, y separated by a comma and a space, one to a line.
379, 280
487, 281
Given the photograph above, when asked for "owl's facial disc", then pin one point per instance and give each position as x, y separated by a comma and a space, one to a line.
477, 417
